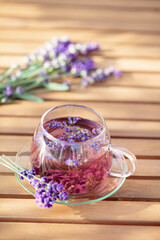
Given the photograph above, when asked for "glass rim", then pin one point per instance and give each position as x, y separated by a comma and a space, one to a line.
49, 136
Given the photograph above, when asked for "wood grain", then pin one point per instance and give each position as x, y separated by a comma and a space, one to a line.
111, 51
117, 128
108, 211
121, 38
103, 3
45, 11
106, 94
114, 111
28, 231
98, 24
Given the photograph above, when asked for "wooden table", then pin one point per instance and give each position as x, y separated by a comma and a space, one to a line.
128, 33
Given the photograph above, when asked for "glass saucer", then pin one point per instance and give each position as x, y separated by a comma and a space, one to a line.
104, 190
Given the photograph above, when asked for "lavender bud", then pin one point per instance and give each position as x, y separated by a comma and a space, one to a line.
8, 91
5, 99
19, 90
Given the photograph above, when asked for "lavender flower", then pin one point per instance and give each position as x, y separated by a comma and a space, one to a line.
63, 196
81, 66
5, 99
53, 60
99, 75
117, 73
96, 146
94, 131
8, 91
67, 83
60, 138
73, 120
92, 46
86, 48
72, 163
19, 90
46, 193
29, 174
45, 76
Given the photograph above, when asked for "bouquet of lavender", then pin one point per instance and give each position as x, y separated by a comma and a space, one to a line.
46, 193
46, 68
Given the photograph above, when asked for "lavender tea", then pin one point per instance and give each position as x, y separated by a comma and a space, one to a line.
71, 151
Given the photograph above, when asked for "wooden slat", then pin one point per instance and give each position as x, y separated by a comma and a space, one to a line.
124, 94
28, 231
117, 128
143, 212
140, 147
134, 80
23, 48
131, 189
116, 3
121, 38
134, 129
112, 111
148, 168
36, 11
116, 25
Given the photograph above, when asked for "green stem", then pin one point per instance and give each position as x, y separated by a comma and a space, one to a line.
31, 73
8, 166
6, 73
12, 162
12, 165
19, 82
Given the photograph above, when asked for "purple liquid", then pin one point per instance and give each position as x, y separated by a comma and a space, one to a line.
79, 167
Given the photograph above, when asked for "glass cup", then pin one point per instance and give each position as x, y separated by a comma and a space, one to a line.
81, 166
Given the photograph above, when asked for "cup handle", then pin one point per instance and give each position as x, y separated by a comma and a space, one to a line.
120, 154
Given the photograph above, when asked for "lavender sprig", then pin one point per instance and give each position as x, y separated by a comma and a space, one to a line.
46, 193
52, 62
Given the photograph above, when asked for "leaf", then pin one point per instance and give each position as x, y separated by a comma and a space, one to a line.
56, 86
29, 97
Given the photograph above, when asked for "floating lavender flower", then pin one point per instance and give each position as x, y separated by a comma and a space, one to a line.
96, 146
73, 120
72, 163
